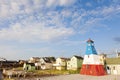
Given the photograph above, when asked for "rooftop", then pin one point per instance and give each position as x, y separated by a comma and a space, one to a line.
89, 40
79, 57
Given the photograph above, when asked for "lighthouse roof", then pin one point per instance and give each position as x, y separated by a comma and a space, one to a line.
89, 40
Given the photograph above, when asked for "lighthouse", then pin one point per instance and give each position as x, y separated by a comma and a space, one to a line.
92, 64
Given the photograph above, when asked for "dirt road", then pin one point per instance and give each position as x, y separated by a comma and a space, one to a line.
78, 77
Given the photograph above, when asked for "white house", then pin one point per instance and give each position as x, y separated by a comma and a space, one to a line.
34, 59
113, 66
61, 63
47, 62
74, 63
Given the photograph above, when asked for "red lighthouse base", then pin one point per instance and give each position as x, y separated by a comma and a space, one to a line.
95, 70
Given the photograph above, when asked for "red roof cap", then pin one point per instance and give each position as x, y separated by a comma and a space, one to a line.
89, 40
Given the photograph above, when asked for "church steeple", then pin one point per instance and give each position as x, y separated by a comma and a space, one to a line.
90, 49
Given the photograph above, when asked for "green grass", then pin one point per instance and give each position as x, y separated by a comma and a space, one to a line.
55, 72
8, 79
19, 68
113, 60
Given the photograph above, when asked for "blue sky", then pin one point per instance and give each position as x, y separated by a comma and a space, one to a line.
60, 28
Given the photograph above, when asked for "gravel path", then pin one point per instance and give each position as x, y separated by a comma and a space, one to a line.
78, 77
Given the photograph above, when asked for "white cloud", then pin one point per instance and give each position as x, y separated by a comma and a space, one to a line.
70, 43
92, 19
51, 2
66, 13
34, 32
28, 26
88, 4
66, 2
13, 7
105, 11
60, 2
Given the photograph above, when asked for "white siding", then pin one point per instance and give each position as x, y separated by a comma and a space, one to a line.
92, 59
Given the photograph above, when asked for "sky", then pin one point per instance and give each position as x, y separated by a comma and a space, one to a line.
59, 28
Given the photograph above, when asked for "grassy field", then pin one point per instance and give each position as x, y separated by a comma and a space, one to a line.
52, 71
113, 60
57, 72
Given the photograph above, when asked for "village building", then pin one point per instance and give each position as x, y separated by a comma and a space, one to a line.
34, 59
113, 66
10, 64
74, 63
118, 54
103, 59
21, 62
47, 62
42, 62
61, 63
28, 66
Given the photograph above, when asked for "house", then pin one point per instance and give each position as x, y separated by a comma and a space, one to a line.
52, 59
103, 59
34, 59
61, 63
47, 62
21, 62
113, 66
74, 63
29, 66
118, 54
10, 64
